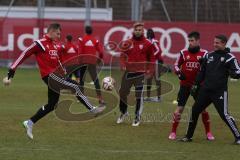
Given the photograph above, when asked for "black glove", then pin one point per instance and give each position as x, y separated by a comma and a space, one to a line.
194, 90
181, 76
160, 61
11, 73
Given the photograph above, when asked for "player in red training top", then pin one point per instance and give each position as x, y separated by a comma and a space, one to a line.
136, 54
158, 68
52, 73
91, 53
186, 67
69, 51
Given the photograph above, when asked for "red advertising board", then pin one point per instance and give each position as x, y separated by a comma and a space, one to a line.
17, 34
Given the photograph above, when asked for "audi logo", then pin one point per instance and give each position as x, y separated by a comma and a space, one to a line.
165, 39
193, 65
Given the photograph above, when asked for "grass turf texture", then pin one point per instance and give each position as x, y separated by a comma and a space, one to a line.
103, 138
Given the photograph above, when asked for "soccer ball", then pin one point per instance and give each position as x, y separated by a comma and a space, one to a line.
108, 83
6, 81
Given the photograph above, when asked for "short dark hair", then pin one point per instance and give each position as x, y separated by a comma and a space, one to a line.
54, 26
222, 37
150, 33
69, 38
194, 34
88, 29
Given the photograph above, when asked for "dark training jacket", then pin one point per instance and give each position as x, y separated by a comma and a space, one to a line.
216, 67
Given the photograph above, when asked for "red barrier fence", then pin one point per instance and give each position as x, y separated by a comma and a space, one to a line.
17, 34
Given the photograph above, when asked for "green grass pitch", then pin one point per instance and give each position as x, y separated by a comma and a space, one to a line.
102, 138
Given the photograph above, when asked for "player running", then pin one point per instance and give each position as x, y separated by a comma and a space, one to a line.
91, 52
186, 67
69, 51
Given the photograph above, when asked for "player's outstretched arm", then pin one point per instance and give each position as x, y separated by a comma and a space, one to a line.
32, 49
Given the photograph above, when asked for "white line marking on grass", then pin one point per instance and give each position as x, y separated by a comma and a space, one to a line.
23, 149
141, 151
7, 149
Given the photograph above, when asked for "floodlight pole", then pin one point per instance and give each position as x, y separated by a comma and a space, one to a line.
88, 13
135, 10
196, 11
107, 4
41, 5
40, 21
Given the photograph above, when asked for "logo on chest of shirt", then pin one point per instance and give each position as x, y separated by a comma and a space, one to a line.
222, 59
141, 46
53, 53
192, 65
199, 57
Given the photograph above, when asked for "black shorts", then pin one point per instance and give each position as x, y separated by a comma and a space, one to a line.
73, 70
76, 73
183, 95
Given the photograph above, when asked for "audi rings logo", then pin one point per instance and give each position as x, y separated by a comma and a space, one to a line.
165, 39
193, 64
